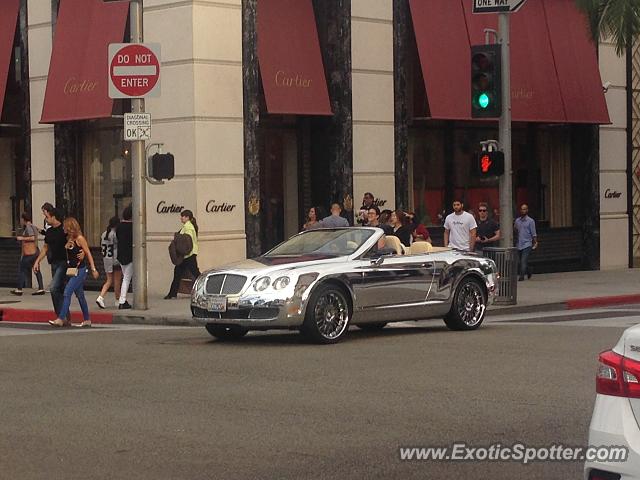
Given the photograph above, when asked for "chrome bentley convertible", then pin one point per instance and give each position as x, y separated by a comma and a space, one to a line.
321, 281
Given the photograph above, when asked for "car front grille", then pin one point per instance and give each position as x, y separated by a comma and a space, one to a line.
251, 314
225, 284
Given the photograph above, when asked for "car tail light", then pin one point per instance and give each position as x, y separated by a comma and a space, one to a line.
618, 376
600, 475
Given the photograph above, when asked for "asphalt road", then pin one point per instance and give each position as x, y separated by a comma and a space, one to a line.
173, 403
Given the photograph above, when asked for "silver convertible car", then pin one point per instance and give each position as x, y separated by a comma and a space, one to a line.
321, 281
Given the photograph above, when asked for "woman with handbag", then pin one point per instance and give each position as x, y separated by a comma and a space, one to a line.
76, 272
190, 262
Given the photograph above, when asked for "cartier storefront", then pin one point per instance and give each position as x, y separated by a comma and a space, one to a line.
271, 107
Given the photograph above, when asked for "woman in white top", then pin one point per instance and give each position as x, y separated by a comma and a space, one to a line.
109, 244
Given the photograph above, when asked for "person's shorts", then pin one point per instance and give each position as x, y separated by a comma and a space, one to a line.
110, 264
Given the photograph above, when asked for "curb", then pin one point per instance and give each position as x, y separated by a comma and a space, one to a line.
602, 301
43, 316
571, 304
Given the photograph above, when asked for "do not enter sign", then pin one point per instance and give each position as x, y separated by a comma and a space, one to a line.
134, 70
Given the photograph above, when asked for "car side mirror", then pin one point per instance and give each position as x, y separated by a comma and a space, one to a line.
377, 261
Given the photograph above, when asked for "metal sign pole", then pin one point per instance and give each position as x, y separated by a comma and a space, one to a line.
506, 180
138, 180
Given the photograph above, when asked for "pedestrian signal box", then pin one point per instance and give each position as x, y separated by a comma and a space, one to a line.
161, 166
490, 164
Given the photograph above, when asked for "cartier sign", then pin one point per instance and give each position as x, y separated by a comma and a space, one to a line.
292, 81
610, 193
162, 207
213, 207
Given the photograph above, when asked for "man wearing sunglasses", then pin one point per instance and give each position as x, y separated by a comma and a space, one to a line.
488, 233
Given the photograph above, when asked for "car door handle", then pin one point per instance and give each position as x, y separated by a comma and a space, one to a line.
427, 265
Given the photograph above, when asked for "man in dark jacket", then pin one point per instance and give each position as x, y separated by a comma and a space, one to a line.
124, 233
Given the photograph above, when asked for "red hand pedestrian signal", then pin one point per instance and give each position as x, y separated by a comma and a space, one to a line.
490, 164
485, 164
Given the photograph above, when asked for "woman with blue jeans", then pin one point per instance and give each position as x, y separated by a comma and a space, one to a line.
76, 273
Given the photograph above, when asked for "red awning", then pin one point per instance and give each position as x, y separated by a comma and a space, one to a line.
77, 87
290, 59
9, 10
443, 48
553, 64
576, 63
535, 90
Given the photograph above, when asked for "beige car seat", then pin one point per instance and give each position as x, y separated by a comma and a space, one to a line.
395, 244
421, 247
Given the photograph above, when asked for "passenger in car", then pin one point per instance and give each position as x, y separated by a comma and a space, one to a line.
401, 227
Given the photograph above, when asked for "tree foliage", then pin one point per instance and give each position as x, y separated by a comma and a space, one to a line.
615, 19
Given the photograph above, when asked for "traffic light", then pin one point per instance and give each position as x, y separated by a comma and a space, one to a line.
490, 164
486, 81
161, 166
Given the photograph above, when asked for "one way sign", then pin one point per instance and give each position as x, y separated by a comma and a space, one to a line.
497, 6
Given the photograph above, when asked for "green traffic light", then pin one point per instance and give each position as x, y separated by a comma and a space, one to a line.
483, 100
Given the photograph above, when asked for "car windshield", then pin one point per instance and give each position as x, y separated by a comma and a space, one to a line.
323, 242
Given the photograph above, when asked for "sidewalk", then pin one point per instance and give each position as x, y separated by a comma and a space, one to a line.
554, 291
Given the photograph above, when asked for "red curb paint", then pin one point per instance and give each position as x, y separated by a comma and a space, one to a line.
602, 301
43, 316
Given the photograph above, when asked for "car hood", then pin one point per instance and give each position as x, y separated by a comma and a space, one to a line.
266, 265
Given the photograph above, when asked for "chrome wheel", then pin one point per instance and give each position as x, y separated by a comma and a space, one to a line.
468, 306
331, 314
327, 315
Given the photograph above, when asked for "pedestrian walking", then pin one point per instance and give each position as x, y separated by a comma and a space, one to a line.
525, 228
189, 263
54, 249
46, 208
334, 220
488, 233
29, 253
124, 237
460, 229
77, 270
109, 246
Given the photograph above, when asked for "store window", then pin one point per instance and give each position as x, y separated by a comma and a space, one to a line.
106, 166
443, 166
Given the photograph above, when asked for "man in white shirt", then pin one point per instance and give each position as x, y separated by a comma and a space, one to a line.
460, 229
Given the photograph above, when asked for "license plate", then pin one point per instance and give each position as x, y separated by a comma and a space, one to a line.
218, 303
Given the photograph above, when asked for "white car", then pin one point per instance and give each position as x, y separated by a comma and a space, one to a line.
616, 414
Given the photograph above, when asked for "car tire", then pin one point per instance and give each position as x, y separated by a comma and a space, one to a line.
468, 307
372, 327
328, 314
226, 332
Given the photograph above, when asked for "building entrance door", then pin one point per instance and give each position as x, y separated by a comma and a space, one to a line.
279, 185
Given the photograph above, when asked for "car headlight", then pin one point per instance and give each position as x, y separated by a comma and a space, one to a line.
261, 284
281, 282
